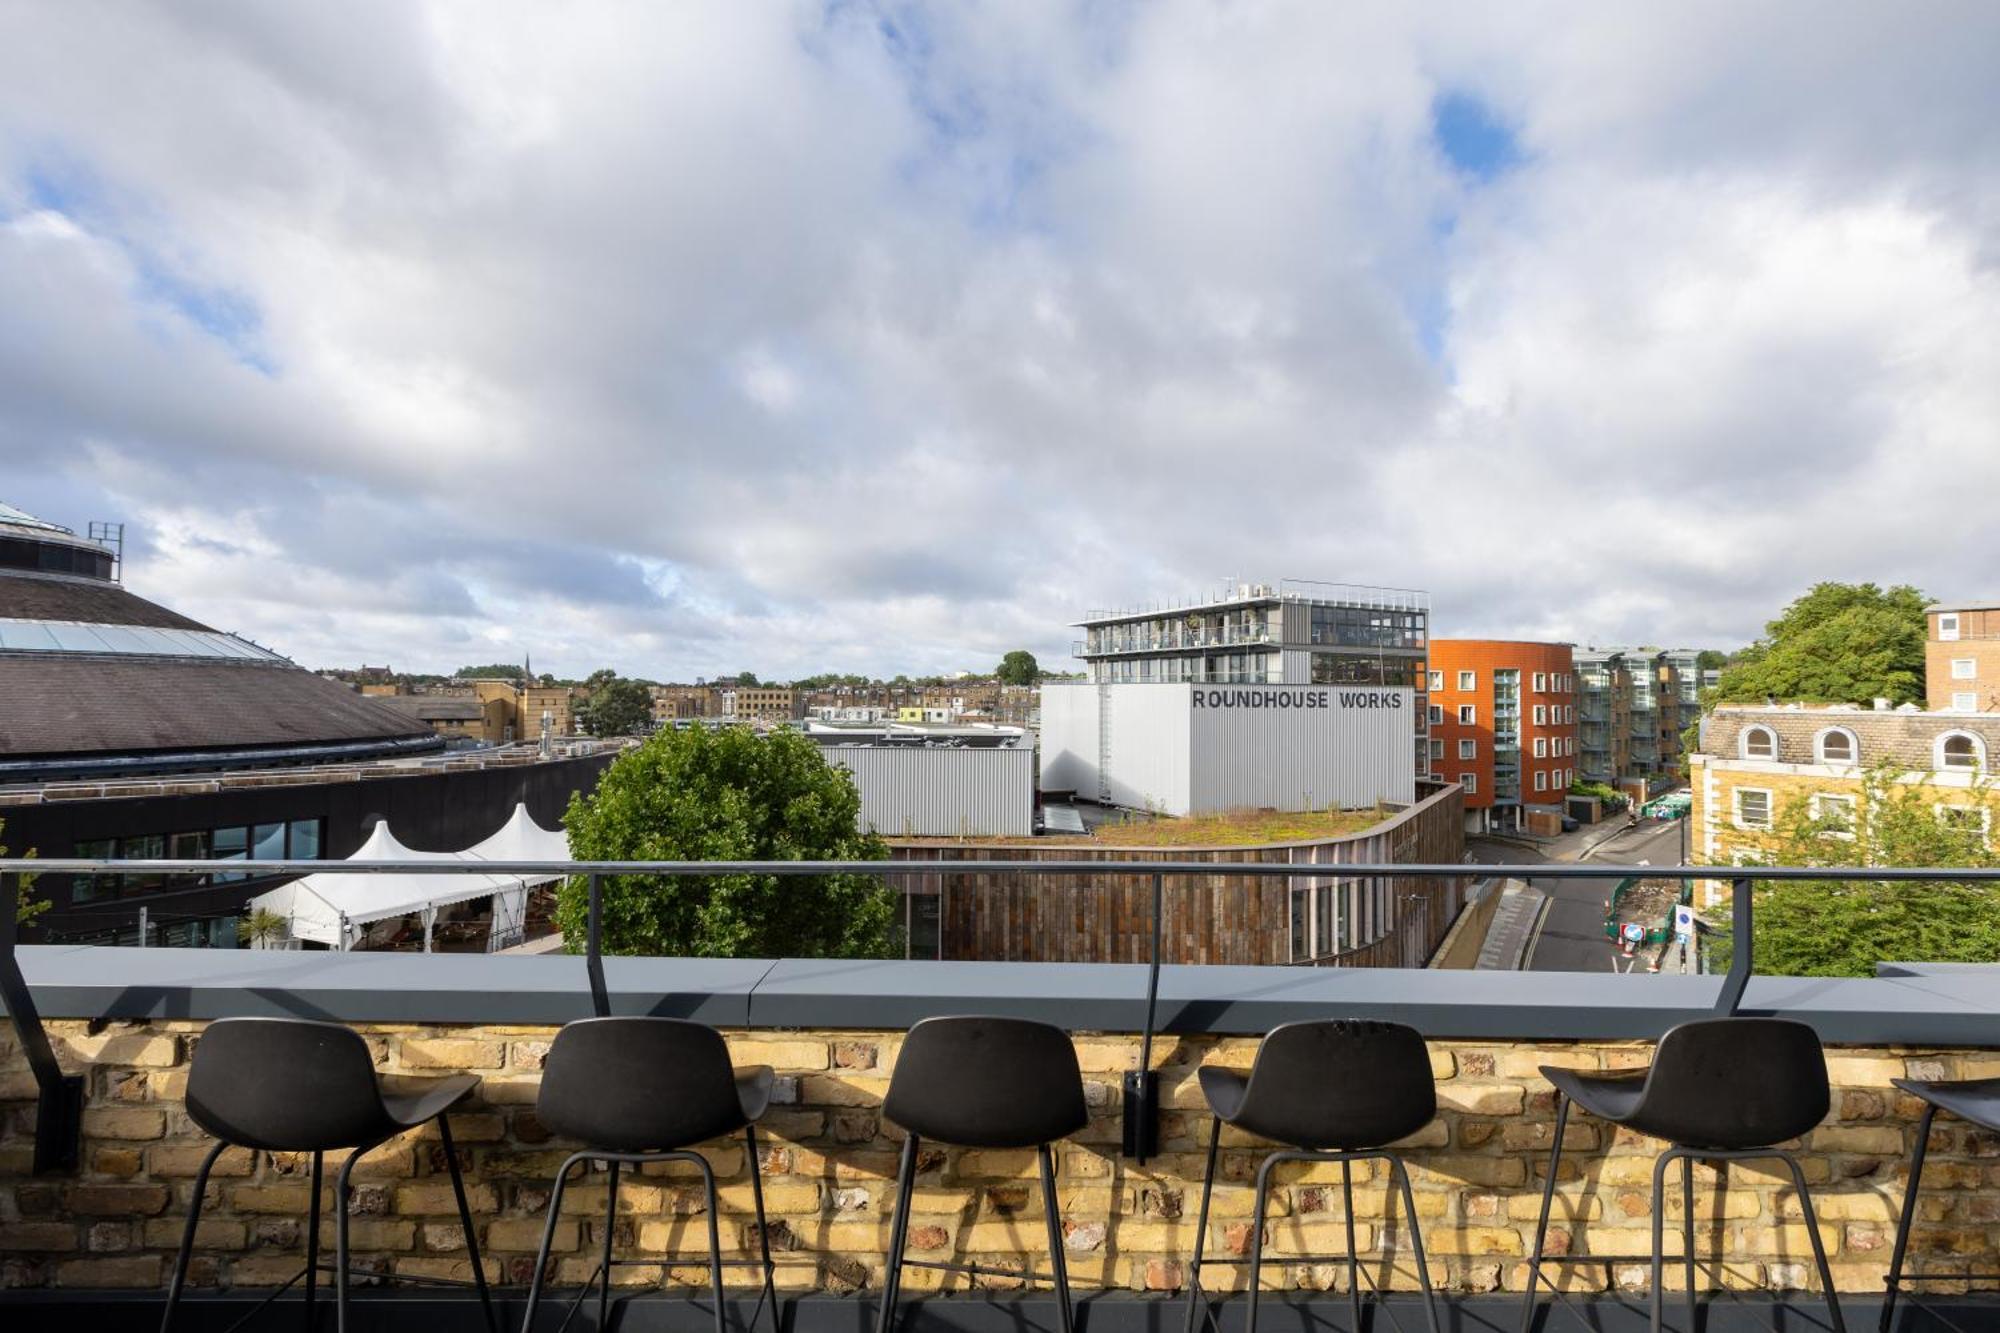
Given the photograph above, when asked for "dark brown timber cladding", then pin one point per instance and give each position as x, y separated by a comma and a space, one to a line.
1218, 918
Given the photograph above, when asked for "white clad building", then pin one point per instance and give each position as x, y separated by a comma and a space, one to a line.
1189, 748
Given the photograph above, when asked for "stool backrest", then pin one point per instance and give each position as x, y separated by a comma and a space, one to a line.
284, 1084
1735, 1083
639, 1084
1339, 1083
987, 1082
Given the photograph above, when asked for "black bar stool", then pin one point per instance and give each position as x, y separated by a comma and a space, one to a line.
1721, 1090
982, 1083
1975, 1101
292, 1085
638, 1090
1336, 1090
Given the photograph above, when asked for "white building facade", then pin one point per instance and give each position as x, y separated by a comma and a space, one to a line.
1186, 748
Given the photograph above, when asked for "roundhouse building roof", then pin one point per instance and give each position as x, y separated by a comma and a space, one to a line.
99, 682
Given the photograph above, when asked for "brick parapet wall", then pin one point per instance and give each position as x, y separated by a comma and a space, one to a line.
830, 1160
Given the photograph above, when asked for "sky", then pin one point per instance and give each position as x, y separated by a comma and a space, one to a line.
693, 339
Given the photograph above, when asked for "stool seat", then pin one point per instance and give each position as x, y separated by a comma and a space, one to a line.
408, 1102
1976, 1101
1328, 1083
1612, 1097
647, 1085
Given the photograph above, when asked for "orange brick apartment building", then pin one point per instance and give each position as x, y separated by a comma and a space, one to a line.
1503, 725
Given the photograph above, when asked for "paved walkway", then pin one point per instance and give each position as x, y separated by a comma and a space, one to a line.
1512, 932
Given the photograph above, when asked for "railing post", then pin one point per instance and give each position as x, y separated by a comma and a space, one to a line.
59, 1096
1142, 1085
1741, 962
600, 997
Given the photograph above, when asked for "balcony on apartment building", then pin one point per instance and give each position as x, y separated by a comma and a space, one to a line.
99, 1156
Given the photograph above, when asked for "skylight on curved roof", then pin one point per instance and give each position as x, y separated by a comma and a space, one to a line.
21, 518
73, 636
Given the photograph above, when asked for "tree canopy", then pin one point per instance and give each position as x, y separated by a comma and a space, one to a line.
1018, 668
728, 794
617, 706
1839, 643
1826, 928
496, 671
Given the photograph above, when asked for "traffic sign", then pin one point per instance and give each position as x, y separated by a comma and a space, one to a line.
1684, 922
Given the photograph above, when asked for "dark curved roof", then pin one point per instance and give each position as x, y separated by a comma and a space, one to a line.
84, 705
44, 597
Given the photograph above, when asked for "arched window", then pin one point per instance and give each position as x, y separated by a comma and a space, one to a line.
1759, 743
1957, 749
1836, 745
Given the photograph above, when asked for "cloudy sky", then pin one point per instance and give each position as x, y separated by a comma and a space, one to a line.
788, 337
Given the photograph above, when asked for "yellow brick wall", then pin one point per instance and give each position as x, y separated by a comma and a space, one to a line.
830, 1163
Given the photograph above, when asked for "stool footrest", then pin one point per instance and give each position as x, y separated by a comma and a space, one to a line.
982, 1269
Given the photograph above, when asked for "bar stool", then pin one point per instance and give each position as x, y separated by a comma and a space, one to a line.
1719, 1089
1975, 1101
982, 1083
1336, 1090
638, 1090
294, 1085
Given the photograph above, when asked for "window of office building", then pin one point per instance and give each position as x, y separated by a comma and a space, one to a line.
1468, 714
1468, 680
1468, 749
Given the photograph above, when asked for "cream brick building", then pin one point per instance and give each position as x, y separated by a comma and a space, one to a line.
1756, 760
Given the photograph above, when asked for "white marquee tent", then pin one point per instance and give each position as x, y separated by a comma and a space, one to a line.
332, 906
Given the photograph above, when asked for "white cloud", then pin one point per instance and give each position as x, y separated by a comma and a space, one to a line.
708, 338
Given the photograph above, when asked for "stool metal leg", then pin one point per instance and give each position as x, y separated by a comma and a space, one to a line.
1201, 1228
1542, 1223
1819, 1246
1353, 1258
769, 1290
611, 1226
906, 1179
342, 1259
1416, 1240
465, 1221
548, 1239
714, 1237
187, 1235
1051, 1211
1658, 1304
1687, 1240
312, 1237
1257, 1241
1909, 1215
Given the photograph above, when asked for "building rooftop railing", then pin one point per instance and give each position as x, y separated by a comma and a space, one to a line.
1367, 596
1909, 1003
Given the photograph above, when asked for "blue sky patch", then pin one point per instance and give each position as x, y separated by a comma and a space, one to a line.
1472, 136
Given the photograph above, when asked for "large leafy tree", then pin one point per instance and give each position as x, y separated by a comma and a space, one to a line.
617, 706
1839, 643
1018, 668
728, 794
1830, 928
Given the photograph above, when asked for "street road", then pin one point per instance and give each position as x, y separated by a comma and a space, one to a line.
1572, 938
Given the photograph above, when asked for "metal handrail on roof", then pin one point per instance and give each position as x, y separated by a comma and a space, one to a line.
60, 1106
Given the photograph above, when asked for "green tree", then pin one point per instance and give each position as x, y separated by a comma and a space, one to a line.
26, 906
1711, 659
497, 671
728, 794
617, 707
1829, 928
1839, 643
1018, 668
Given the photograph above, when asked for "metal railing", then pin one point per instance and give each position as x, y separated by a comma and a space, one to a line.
60, 1096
